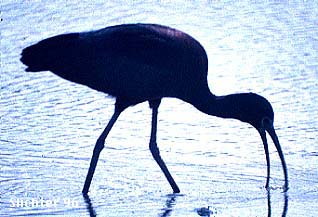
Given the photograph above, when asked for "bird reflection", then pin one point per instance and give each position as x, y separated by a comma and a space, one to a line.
89, 206
284, 213
170, 203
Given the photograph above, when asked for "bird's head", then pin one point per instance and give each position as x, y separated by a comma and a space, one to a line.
251, 108
257, 111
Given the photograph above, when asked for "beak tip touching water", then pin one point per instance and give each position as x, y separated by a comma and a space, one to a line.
272, 133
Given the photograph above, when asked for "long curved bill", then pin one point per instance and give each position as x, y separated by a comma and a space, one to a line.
272, 133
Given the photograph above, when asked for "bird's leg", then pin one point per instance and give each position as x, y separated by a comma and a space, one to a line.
98, 148
154, 104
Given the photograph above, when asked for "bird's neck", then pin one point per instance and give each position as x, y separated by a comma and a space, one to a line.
219, 106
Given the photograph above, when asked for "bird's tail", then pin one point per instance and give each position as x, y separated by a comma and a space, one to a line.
49, 53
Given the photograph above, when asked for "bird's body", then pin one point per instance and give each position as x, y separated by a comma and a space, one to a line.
146, 62
136, 62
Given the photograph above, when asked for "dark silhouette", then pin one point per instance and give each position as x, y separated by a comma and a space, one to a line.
146, 62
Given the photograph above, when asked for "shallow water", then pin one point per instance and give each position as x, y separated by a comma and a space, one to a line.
49, 126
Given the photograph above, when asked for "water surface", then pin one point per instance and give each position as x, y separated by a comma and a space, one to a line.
49, 126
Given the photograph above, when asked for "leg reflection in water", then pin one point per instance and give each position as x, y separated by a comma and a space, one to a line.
169, 204
89, 206
269, 206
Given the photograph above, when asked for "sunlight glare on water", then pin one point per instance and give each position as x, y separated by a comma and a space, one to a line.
49, 126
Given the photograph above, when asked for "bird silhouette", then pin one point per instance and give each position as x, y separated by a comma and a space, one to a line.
146, 62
